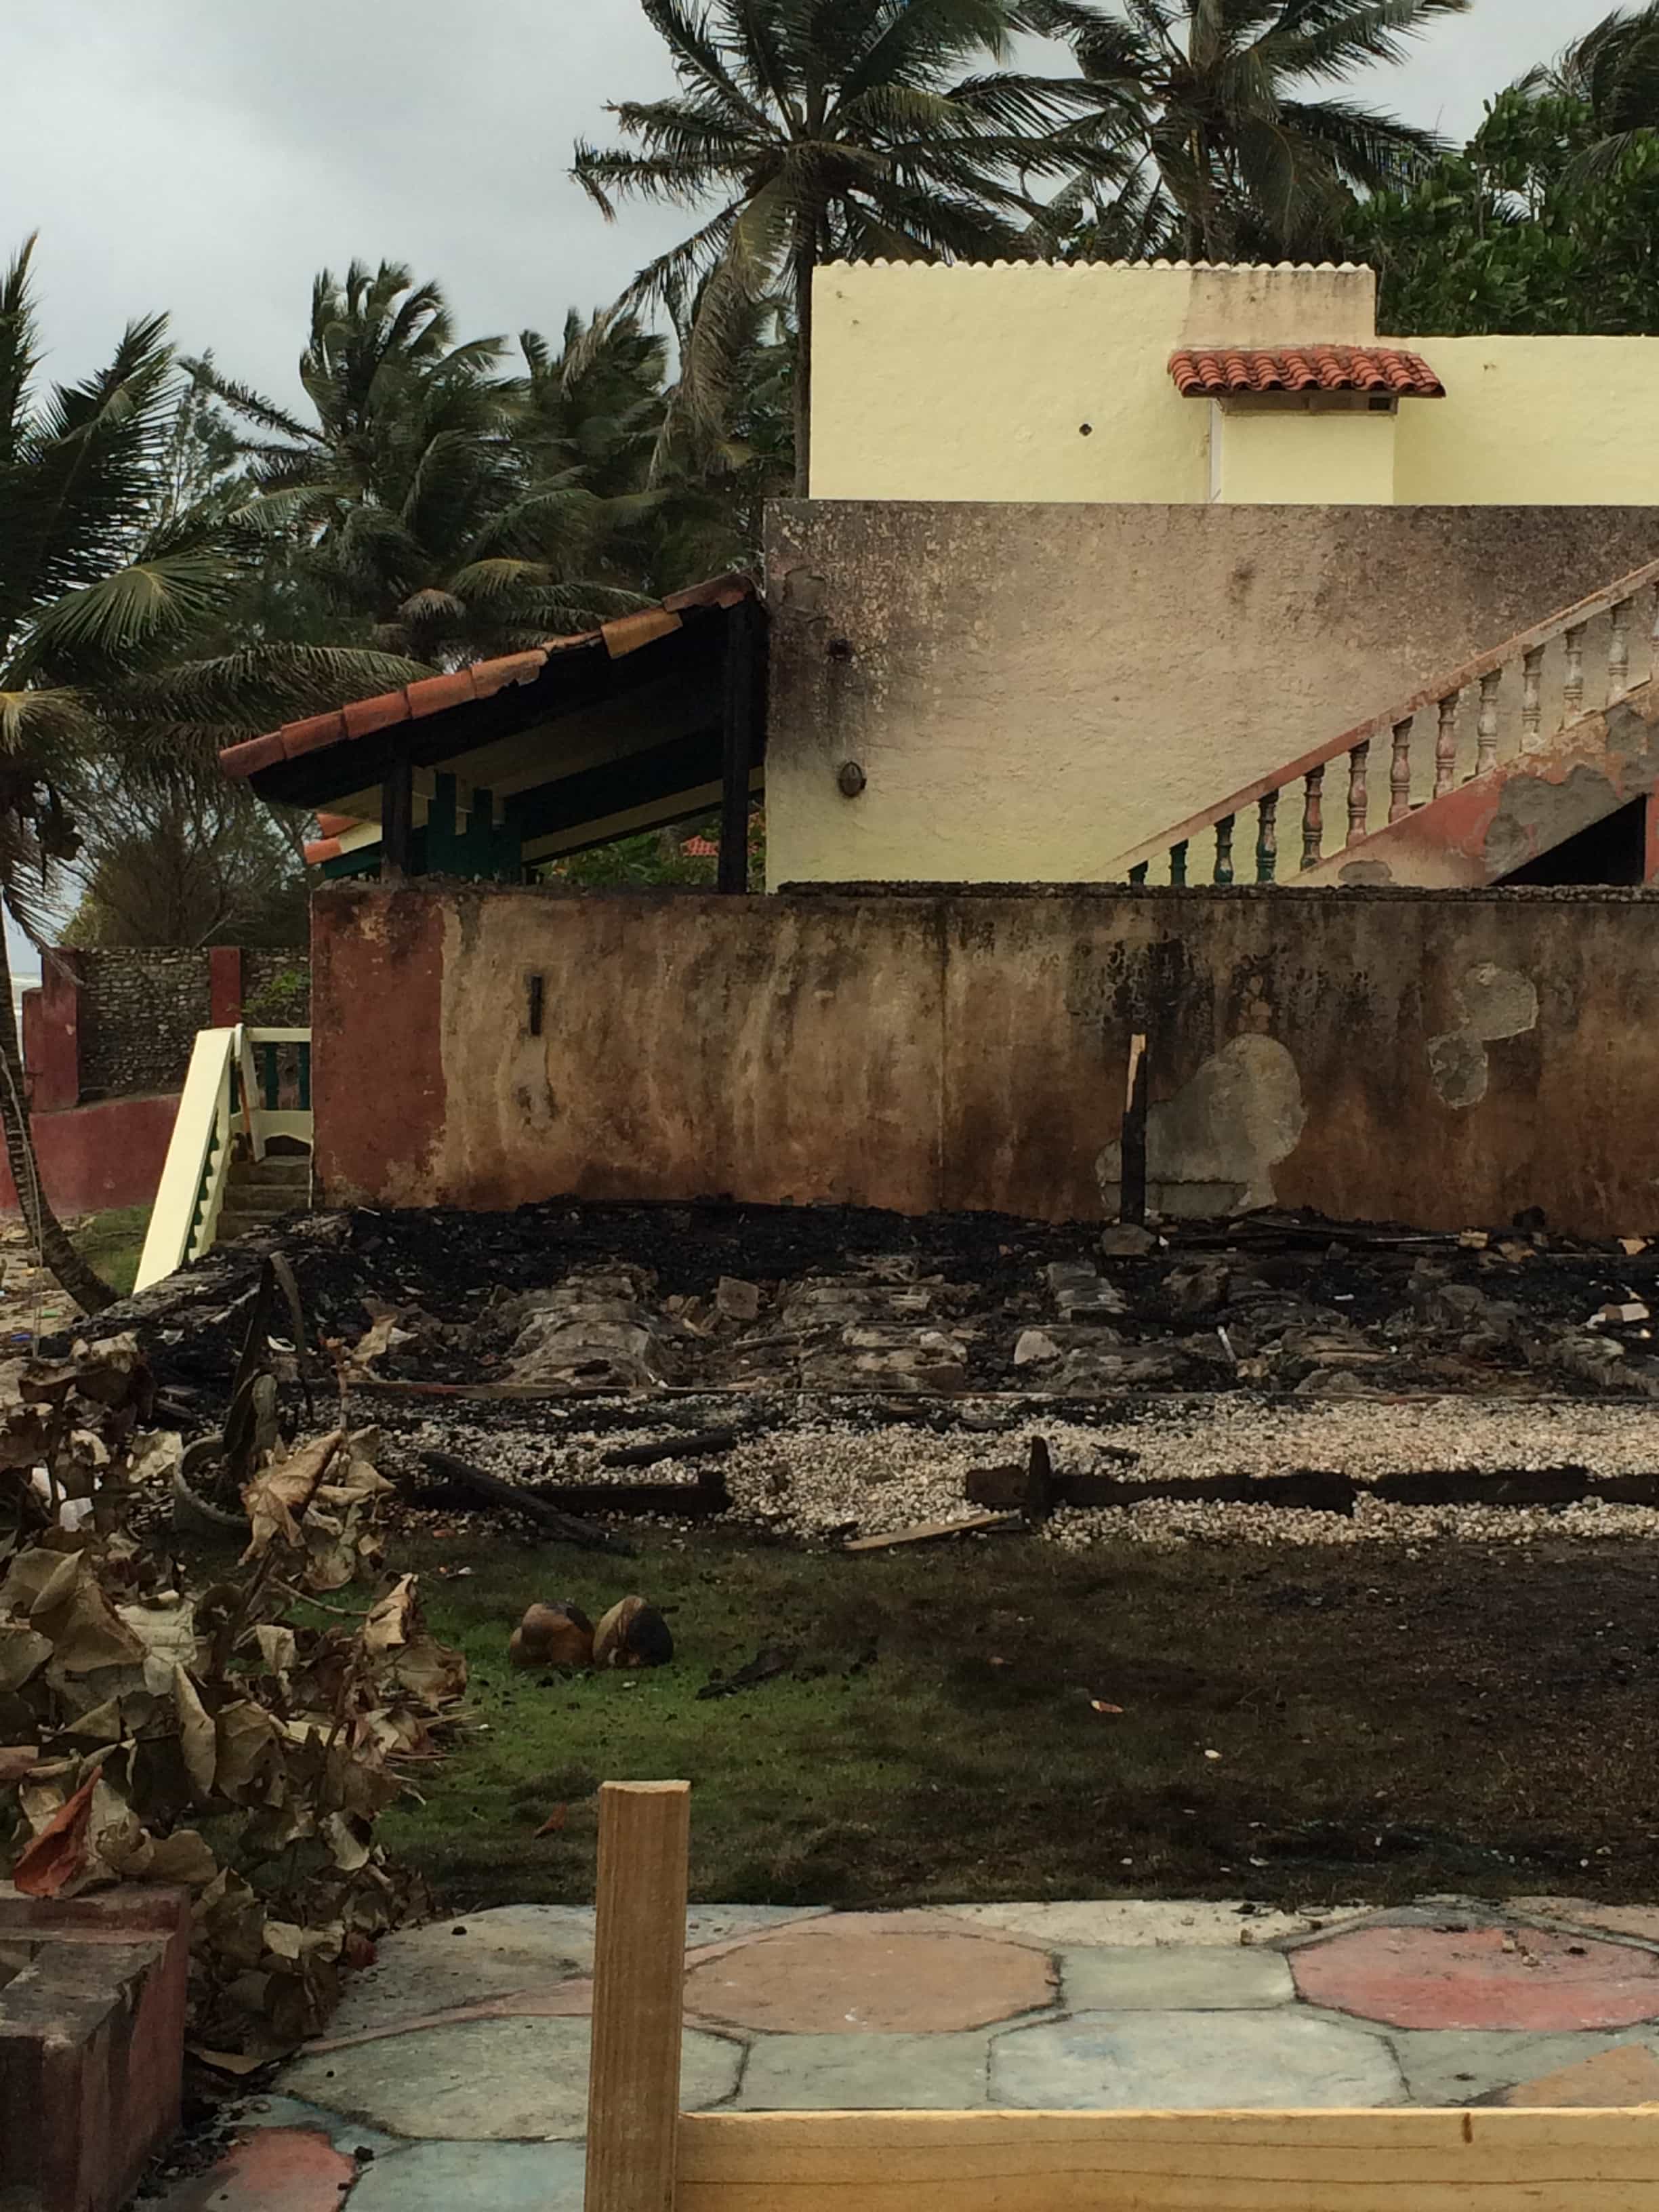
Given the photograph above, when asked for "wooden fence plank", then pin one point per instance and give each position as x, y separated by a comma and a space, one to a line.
1388, 2161
639, 1970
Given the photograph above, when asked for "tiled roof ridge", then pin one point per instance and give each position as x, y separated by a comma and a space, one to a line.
1219, 370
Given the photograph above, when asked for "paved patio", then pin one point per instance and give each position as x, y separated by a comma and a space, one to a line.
455, 2071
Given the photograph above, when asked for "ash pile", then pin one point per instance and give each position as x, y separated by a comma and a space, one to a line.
833, 1371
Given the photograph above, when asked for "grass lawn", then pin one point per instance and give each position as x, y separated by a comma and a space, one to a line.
113, 1241
1473, 1719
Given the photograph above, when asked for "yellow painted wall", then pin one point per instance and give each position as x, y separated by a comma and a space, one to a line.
1292, 457
1535, 422
976, 383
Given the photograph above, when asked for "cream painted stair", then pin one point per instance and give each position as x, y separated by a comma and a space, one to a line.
239, 1156
260, 1192
1477, 776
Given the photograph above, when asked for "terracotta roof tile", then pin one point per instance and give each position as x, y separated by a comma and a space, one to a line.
252, 753
436, 695
364, 716
490, 677
1222, 372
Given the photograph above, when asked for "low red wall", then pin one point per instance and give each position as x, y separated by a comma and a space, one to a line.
96, 1157
1448, 1059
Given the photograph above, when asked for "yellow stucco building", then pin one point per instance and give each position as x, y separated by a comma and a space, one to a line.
1039, 381
1092, 548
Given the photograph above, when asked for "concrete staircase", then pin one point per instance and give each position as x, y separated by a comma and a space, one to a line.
259, 1193
1550, 779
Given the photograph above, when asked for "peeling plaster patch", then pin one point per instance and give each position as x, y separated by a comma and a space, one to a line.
1631, 735
1459, 1066
1213, 1147
1366, 871
1494, 1003
1534, 815
1497, 1002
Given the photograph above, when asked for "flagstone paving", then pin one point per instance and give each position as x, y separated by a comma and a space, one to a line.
455, 2073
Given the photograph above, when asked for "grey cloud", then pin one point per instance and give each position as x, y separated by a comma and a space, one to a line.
207, 156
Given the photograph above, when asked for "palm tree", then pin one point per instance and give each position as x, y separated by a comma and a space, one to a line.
416, 508
1613, 72
823, 129
1209, 98
117, 660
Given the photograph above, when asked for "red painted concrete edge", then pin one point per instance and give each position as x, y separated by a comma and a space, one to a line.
93, 1158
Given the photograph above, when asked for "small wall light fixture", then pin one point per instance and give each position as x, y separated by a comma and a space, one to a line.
851, 779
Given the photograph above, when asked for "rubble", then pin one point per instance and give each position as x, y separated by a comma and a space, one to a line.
559, 1348
581, 1301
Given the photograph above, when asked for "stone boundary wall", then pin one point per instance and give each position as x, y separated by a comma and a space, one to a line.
140, 1009
1443, 1059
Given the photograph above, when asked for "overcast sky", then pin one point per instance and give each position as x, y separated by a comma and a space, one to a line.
207, 156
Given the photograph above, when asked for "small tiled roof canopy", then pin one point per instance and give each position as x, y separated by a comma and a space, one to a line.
1226, 371
437, 694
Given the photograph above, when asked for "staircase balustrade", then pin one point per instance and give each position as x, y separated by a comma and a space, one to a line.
1513, 686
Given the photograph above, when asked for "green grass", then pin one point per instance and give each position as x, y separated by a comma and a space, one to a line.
1387, 1725
113, 1243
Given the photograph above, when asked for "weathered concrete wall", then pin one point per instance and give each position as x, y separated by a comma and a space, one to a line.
1032, 691
94, 1156
1035, 381
1438, 1059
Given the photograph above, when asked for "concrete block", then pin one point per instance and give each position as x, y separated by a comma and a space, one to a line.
91, 2036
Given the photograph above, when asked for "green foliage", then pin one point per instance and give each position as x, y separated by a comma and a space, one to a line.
428, 507
113, 1243
658, 857
1540, 224
126, 656
830, 129
188, 863
283, 1002
1225, 153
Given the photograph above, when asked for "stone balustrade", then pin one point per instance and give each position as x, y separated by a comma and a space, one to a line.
1521, 698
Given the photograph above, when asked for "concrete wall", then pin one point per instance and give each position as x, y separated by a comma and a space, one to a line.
1031, 690
1445, 1060
1533, 422
1036, 382
98, 1155
1331, 458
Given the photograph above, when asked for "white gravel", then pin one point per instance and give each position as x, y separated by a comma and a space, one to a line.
820, 1470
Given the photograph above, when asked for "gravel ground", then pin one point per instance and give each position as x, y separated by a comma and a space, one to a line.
819, 1468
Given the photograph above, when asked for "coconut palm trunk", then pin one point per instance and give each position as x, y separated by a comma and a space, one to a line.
49, 1237
807, 261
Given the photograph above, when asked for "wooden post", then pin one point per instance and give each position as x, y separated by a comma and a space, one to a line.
398, 821
639, 1975
737, 718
